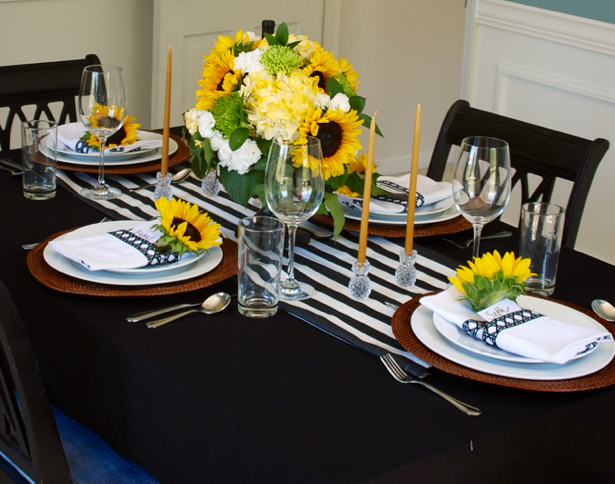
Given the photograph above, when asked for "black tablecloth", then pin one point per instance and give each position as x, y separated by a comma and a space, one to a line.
226, 398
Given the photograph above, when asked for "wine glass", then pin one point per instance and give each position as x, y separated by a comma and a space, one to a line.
102, 108
481, 182
294, 189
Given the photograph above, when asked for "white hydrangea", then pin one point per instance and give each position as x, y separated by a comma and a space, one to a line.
240, 160
322, 100
340, 101
192, 120
216, 141
206, 124
249, 62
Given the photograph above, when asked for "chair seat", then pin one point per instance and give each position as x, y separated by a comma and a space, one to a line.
91, 460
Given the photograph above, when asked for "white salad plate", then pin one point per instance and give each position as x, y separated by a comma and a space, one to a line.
179, 271
422, 323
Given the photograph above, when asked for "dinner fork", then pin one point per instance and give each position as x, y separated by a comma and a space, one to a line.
401, 376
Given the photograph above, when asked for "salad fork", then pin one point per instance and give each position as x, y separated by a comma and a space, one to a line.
401, 376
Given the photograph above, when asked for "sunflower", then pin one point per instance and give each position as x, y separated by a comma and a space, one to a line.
357, 164
349, 73
184, 228
103, 116
491, 278
337, 132
219, 79
322, 66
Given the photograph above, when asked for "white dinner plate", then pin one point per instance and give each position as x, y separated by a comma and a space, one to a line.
424, 329
114, 159
194, 268
459, 337
400, 219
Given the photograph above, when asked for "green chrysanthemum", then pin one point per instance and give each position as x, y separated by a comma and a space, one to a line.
346, 86
227, 113
280, 58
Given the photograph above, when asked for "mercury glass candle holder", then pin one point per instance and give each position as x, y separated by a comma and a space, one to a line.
360, 286
406, 272
211, 184
163, 186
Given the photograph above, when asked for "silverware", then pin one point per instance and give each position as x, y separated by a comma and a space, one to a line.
10, 165
391, 305
178, 177
138, 317
402, 377
34, 244
604, 309
465, 244
212, 305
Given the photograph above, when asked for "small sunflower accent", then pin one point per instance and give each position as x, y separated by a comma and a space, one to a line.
185, 228
491, 278
105, 116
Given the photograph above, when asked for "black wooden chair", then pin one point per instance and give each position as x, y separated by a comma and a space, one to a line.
38, 440
47, 86
534, 150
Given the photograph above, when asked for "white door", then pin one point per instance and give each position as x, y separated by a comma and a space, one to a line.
191, 27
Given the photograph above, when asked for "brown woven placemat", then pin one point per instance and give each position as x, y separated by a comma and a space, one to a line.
402, 330
453, 226
53, 279
181, 155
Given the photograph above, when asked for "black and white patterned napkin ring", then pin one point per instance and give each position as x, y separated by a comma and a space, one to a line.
488, 331
395, 188
149, 250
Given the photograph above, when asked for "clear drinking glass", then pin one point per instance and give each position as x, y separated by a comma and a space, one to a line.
294, 189
481, 182
102, 108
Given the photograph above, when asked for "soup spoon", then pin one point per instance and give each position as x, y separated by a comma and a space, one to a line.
212, 305
604, 309
178, 177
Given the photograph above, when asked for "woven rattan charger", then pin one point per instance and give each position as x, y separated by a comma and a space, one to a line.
453, 226
53, 279
402, 330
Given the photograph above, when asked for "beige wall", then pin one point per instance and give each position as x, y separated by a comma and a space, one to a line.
49, 30
406, 52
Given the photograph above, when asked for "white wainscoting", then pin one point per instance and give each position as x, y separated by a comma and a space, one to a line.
555, 70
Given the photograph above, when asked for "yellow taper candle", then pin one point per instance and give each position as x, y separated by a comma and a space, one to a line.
413, 173
164, 165
367, 192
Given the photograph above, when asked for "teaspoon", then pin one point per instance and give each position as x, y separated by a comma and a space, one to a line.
604, 309
212, 305
179, 177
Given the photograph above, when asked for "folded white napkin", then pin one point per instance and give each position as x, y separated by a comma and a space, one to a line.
428, 192
69, 137
127, 249
543, 338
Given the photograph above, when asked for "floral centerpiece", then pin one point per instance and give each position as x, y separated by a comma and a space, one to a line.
283, 87
492, 278
104, 116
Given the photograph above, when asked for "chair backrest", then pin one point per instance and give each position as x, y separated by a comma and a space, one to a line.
40, 85
534, 150
28, 434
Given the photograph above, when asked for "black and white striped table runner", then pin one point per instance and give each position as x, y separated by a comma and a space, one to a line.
324, 263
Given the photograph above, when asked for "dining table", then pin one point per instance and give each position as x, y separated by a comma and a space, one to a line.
300, 397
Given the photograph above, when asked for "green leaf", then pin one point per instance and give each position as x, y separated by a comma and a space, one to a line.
294, 44
357, 103
367, 121
264, 145
335, 209
239, 187
271, 39
282, 34
337, 182
334, 87
238, 138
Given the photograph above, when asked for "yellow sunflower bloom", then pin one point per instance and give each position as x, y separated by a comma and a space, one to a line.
322, 66
185, 228
491, 278
351, 75
356, 165
124, 136
338, 134
219, 79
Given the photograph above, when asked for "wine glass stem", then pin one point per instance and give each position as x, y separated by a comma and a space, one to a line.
475, 247
101, 162
290, 279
